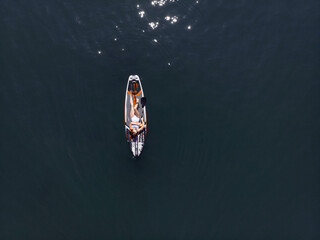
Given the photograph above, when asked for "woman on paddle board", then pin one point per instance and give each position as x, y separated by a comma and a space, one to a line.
135, 126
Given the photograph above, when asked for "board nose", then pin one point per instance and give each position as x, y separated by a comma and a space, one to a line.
134, 77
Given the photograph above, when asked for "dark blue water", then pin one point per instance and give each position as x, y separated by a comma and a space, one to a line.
232, 150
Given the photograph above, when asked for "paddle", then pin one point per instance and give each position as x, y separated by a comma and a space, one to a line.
143, 102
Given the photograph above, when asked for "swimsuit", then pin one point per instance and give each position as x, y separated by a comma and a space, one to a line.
135, 119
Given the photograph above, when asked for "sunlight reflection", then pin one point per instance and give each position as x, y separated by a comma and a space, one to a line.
153, 25
173, 19
161, 3
167, 18
141, 13
172, 12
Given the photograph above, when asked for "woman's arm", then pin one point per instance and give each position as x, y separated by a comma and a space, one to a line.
141, 127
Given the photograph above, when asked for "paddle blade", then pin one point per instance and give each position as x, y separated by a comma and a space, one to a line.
143, 102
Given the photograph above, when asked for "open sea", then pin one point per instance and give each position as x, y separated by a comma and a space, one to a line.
233, 106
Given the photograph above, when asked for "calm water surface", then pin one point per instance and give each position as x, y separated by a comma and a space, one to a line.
233, 119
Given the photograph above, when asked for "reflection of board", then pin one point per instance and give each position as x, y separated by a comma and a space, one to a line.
134, 89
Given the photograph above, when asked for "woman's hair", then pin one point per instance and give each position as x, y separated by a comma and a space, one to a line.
133, 133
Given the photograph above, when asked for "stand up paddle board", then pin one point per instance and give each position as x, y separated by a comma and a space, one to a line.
135, 118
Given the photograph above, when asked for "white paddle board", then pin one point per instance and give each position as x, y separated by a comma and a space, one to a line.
135, 92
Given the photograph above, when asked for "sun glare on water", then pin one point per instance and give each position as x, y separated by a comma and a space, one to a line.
154, 20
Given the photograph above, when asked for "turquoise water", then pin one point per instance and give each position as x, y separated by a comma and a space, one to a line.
232, 150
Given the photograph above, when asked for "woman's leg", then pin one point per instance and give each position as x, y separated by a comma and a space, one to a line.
133, 109
131, 106
136, 111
